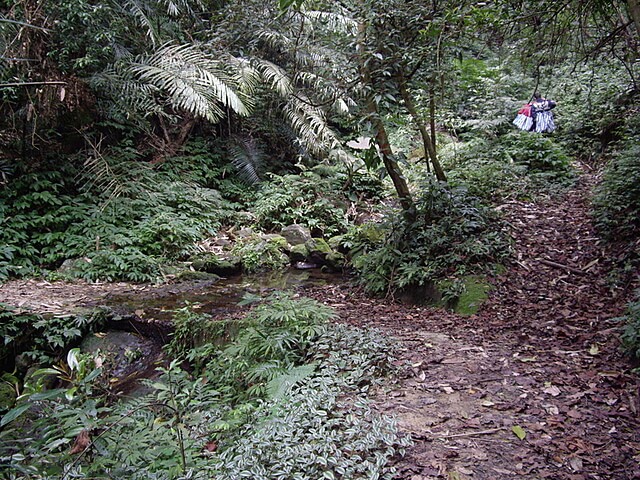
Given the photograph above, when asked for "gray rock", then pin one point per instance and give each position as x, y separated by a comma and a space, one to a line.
296, 234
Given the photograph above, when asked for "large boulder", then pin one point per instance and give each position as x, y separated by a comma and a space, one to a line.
296, 234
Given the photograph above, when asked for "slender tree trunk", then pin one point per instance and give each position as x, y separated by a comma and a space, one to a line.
432, 112
634, 10
427, 140
382, 138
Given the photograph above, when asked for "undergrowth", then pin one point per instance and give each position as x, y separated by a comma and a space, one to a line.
631, 333
114, 219
281, 393
454, 234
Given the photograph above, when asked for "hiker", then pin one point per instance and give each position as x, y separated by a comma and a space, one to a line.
536, 116
542, 114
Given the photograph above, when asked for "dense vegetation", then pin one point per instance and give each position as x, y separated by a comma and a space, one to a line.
140, 140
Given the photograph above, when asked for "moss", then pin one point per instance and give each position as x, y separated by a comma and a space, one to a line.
278, 240
299, 253
318, 246
476, 291
7, 392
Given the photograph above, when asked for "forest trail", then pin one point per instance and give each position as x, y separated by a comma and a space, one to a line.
541, 360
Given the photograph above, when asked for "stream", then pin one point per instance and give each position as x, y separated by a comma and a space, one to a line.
139, 324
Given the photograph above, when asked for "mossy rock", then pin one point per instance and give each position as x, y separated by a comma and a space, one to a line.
318, 246
298, 253
211, 263
277, 240
475, 293
335, 261
296, 234
196, 276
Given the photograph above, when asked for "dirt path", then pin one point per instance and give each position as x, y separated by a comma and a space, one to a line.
540, 360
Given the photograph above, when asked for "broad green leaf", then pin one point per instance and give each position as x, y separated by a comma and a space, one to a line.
14, 413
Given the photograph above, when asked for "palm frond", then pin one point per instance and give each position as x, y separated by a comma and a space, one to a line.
335, 22
247, 157
141, 14
129, 97
310, 124
192, 80
177, 8
276, 77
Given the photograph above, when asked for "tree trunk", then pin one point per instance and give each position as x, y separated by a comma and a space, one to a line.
382, 138
634, 10
427, 140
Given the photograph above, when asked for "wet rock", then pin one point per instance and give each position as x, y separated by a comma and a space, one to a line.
126, 356
217, 265
298, 253
305, 265
318, 250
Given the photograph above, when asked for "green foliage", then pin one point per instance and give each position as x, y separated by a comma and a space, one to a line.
631, 333
117, 219
453, 235
617, 199
40, 339
273, 339
189, 427
259, 254
313, 435
515, 165
308, 199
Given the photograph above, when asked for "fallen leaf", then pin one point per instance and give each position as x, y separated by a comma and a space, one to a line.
81, 443
576, 464
552, 390
211, 446
519, 431
594, 350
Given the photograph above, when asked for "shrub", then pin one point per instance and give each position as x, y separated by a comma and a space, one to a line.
453, 234
617, 199
124, 229
516, 164
631, 333
307, 199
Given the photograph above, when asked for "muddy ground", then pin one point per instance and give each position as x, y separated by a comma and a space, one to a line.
534, 386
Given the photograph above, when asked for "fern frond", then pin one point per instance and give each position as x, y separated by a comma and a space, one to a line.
276, 77
310, 124
192, 80
335, 22
177, 8
129, 96
247, 157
